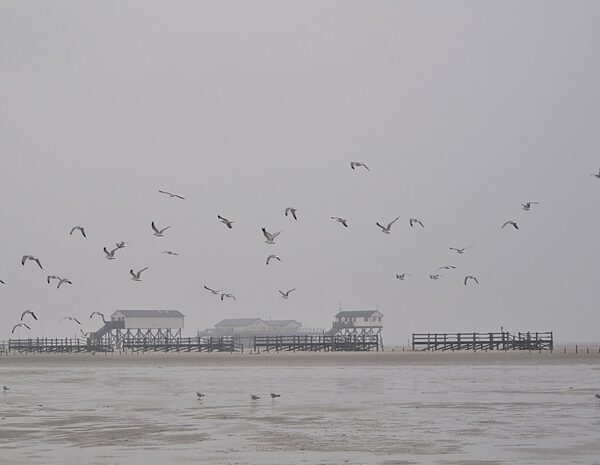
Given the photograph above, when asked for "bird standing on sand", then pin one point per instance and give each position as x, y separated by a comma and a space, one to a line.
358, 164
414, 221
171, 195
511, 223
199, 395
158, 232
286, 295
275, 395
28, 312
5, 388
32, 258
254, 397
225, 221
270, 236
18, 325
470, 277
101, 316
597, 396
340, 220
292, 211
77, 228
271, 257
387, 229
136, 276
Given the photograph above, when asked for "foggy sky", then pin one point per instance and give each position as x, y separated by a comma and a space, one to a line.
462, 110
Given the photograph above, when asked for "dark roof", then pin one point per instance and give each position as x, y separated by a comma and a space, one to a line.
355, 313
237, 322
151, 313
282, 322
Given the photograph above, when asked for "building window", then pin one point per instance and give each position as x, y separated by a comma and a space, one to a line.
366, 318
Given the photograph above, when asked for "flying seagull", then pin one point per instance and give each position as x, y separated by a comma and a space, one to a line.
340, 220
292, 211
225, 221
49, 278
275, 395
271, 257
159, 232
19, 325
63, 281
596, 175
31, 257
412, 222
446, 267
78, 228
101, 316
110, 255
72, 318
459, 251
231, 296
286, 295
270, 237
402, 276
169, 252
527, 206
137, 275
199, 395
510, 222
435, 276
387, 229
357, 164
212, 291
171, 195
470, 277
28, 312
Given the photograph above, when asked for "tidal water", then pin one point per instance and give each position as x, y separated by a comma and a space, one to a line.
334, 411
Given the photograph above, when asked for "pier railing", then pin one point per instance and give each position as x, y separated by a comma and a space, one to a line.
319, 342
483, 341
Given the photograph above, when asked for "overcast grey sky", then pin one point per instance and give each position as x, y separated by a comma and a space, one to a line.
463, 110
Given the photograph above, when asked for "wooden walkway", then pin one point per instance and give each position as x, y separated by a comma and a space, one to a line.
316, 343
53, 345
182, 344
483, 341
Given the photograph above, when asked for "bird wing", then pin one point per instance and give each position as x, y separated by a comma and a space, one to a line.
154, 228
294, 214
392, 222
508, 222
267, 234
276, 234
72, 229
291, 290
352, 164
76, 320
37, 260
14, 327
282, 293
140, 272
25, 257
83, 232
23, 314
132, 273
382, 227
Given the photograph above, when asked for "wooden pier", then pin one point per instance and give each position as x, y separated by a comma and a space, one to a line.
53, 345
182, 344
483, 341
321, 342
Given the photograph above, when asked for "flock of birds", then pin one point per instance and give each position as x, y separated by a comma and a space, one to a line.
270, 238
253, 397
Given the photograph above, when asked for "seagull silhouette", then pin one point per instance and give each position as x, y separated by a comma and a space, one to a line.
63, 281
78, 228
358, 164
275, 395
72, 318
159, 232
136, 276
292, 211
470, 277
286, 295
387, 229
527, 206
28, 312
231, 296
18, 325
270, 257
270, 236
225, 221
31, 257
340, 220
212, 291
510, 222
459, 251
101, 316
171, 195
414, 221
110, 255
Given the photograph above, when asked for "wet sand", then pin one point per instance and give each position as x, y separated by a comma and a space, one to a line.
387, 408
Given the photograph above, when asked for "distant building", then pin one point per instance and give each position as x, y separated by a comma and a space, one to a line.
149, 319
359, 319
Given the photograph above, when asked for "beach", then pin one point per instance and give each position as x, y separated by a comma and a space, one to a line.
358, 408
